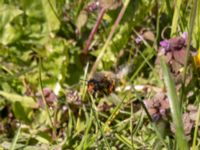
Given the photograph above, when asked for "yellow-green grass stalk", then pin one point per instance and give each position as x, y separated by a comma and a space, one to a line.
175, 17
174, 107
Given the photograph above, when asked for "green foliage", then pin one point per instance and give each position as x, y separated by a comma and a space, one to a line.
25, 100
9, 32
44, 102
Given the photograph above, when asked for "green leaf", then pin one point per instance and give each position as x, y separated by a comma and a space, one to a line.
8, 33
43, 137
7, 14
44, 11
24, 100
21, 112
50, 13
174, 107
121, 38
81, 20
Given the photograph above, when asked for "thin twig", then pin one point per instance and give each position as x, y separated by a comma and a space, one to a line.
94, 67
94, 30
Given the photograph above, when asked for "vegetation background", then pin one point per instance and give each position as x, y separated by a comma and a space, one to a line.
50, 49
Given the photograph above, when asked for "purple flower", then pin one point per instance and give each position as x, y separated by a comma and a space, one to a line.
184, 36
50, 97
174, 44
156, 117
165, 45
139, 39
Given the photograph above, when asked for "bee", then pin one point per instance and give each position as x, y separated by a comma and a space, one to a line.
102, 83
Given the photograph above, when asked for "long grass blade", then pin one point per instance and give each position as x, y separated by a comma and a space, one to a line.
14, 142
176, 17
194, 146
174, 107
192, 22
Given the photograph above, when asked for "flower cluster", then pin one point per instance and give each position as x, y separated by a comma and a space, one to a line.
158, 106
174, 52
174, 44
73, 98
49, 96
189, 118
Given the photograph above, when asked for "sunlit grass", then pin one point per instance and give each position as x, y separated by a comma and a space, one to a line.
43, 45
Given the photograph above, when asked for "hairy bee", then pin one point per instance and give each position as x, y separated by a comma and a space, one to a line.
102, 83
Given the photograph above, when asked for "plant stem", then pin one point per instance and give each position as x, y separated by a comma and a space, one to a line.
192, 21
176, 17
94, 30
94, 67
44, 100
14, 142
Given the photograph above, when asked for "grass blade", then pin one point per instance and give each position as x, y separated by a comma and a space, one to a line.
174, 107
194, 146
14, 142
176, 17
95, 114
192, 23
